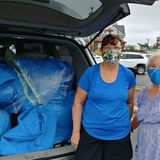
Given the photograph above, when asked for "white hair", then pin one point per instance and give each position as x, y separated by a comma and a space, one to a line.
155, 55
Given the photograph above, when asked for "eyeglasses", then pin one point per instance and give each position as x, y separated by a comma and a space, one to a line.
116, 48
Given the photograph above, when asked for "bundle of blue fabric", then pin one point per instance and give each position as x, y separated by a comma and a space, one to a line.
11, 92
40, 91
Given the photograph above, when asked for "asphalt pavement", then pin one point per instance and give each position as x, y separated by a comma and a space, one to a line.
142, 81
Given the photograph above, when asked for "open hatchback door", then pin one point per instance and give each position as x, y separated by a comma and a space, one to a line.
71, 17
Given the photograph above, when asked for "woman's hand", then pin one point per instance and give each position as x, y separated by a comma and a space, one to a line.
75, 139
134, 123
77, 108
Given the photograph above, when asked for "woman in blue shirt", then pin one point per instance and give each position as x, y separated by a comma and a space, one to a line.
103, 107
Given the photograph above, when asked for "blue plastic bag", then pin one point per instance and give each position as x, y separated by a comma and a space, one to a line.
43, 78
5, 123
11, 95
35, 131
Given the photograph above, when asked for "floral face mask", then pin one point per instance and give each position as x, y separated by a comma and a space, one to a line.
112, 56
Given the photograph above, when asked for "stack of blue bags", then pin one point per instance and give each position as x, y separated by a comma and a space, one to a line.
40, 92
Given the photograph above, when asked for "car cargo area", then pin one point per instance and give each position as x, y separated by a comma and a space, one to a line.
38, 80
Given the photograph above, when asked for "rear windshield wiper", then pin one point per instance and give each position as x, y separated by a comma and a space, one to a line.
42, 1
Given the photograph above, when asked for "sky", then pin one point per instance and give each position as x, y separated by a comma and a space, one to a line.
143, 25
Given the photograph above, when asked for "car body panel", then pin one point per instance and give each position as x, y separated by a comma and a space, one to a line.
62, 153
97, 58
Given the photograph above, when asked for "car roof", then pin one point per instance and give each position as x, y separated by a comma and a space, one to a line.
72, 18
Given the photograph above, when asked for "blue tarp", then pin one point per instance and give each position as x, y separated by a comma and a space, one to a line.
35, 131
44, 79
64, 117
41, 90
11, 92
5, 123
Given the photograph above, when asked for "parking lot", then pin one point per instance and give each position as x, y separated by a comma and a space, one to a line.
142, 81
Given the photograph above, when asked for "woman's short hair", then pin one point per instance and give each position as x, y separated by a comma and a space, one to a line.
111, 39
155, 55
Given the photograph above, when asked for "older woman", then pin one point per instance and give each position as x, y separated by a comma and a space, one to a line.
104, 102
148, 115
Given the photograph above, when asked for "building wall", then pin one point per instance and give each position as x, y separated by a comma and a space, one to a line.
116, 30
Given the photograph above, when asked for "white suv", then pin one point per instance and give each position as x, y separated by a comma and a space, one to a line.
97, 58
135, 61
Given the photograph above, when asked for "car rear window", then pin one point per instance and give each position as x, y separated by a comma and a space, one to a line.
81, 9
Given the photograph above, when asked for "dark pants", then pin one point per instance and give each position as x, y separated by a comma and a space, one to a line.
91, 148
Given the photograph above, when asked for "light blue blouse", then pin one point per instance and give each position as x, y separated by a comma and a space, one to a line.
149, 127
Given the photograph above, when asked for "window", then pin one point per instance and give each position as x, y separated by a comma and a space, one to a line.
12, 48
133, 56
124, 56
36, 47
64, 53
81, 9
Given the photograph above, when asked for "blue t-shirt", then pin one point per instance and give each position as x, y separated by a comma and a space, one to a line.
106, 114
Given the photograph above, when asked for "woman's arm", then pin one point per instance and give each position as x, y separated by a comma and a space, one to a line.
131, 100
134, 123
79, 100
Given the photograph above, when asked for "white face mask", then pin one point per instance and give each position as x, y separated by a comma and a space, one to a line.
111, 56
